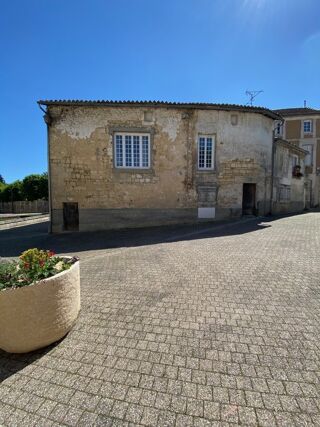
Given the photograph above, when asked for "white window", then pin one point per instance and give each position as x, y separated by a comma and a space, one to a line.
132, 150
309, 157
307, 126
279, 129
284, 193
205, 152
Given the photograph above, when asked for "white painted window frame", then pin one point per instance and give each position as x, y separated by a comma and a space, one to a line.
311, 127
132, 134
205, 168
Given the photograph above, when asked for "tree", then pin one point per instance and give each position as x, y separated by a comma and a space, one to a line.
2, 181
32, 187
11, 192
35, 186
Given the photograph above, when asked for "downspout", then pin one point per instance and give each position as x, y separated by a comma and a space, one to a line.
272, 167
272, 171
48, 120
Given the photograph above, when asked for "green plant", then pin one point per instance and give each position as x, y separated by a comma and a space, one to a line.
33, 266
7, 272
32, 187
11, 192
35, 186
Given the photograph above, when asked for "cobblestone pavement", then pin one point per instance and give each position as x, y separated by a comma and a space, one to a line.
219, 328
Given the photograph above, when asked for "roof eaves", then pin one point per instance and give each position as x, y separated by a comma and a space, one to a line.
226, 107
290, 145
291, 112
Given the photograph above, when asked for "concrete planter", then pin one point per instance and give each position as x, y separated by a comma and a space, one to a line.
37, 315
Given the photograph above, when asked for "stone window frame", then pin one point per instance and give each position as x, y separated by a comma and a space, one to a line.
284, 193
305, 147
214, 138
113, 130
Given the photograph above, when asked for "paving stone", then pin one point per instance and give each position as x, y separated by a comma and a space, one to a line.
88, 419
265, 418
150, 417
84, 400
46, 408
105, 406
104, 421
254, 399
229, 413
179, 404
119, 409
247, 416
184, 421
218, 329
59, 412
72, 416
163, 401
212, 410
166, 418
195, 407
284, 419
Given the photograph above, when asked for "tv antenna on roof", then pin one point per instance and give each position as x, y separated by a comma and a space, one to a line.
253, 94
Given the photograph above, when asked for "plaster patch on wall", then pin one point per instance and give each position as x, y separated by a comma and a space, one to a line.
170, 125
110, 151
80, 124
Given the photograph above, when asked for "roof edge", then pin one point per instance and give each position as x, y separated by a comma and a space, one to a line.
297, 111
290, 145
158, 104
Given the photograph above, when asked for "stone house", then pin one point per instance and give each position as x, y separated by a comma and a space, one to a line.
301, 127
291, 192
127, 164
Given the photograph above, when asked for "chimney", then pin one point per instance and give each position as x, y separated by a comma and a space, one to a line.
305, 104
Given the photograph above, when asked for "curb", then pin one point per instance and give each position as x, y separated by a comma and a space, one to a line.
7, 225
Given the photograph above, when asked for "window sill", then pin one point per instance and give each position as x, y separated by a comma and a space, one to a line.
133, 171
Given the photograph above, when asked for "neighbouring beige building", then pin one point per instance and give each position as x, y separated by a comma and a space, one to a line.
301, 127
127, 164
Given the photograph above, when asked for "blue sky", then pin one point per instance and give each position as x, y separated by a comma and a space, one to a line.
176, 50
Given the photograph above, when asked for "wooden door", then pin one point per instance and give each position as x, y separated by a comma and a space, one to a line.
249, 199
70, 216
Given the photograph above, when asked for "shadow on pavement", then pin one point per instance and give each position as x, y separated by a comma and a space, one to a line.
14, 241
12, 363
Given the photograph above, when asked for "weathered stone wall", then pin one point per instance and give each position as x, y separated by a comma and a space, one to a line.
82, 168
285, 181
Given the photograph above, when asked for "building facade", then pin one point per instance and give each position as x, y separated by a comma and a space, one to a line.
301, 127
128, 164
291, 191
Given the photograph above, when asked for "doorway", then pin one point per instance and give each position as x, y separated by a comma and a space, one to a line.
70, 216
249, 199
